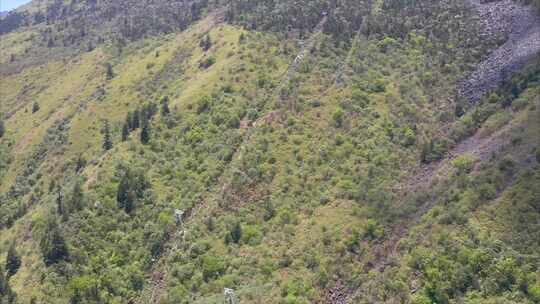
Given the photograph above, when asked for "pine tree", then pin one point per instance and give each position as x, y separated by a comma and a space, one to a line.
60, 208
76, 297
76, 201
13, 261
7, 295
3, 283
145, 132
123, 190
35, 107
129, 204
109, 71
53, 246
2, 128
135, 123
165, 111
126, 195
107, 141
125, 132
80, 164
236, 232
129, 121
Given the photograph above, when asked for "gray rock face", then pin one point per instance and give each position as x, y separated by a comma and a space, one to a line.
505, 18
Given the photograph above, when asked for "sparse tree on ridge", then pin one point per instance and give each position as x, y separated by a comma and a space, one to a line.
145, 132
107, 141
53, 246
125, 132
109, 71
165, 106
2, 127
13, 261
35, 107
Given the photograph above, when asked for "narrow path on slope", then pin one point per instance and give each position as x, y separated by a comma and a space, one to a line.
157, 281
481, 149
521, 24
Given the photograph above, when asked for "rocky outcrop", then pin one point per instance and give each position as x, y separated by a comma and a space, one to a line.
519, 26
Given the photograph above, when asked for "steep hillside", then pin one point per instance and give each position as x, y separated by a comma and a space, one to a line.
321, 151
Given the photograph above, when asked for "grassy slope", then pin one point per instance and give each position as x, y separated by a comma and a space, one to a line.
326, 183
69, 91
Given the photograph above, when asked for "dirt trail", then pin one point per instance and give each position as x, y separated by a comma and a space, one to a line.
306, 47
157, 281
480, 149
521, 24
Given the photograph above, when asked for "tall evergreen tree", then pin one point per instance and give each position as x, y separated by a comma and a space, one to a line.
13, 261
165, 111
80, 164
76, 297
3, 283
76, 201
145, 132
107, 141
123, 190
53, 246
7, 295
2, 127
131, 188
109, 71
129, 121
125, 195
135, 123
236, 232
60, 207
125, 132
35, 107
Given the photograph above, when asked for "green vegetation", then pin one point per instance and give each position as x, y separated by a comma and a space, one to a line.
354, 169
13, 261
2, 127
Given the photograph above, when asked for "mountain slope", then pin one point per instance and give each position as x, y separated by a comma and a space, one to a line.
321, 151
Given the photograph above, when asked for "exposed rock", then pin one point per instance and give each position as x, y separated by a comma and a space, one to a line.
520, 27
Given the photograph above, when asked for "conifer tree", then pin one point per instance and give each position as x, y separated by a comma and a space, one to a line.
122, 193
60, 207
145, 132
126, 193
2, 127
236, 232
125, 132
135, 123
129, 121
107, 141
3, 283
13, 261
76, 201
165, 111
7, 295
80, 164
131, 188
35, 107
53, 246
109, 71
